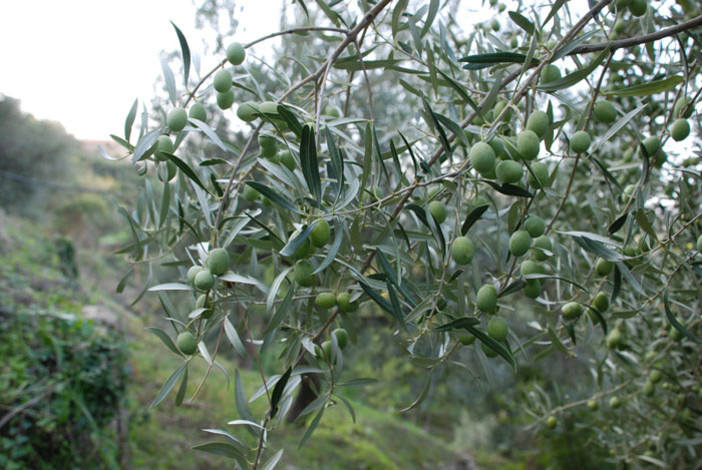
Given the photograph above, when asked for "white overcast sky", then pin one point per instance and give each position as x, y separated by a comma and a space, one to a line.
83, 62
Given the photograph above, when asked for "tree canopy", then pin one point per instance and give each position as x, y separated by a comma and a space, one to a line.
494, 195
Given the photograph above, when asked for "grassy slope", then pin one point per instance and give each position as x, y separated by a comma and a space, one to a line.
376, 440
162, 437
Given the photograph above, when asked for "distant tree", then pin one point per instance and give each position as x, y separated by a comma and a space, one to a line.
30, 150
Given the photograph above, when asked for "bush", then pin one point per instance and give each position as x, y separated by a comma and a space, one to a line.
62, 384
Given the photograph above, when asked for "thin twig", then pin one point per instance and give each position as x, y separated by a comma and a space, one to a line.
365, 77
296, 30
636, 40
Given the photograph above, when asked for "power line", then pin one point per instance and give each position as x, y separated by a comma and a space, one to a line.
51, 184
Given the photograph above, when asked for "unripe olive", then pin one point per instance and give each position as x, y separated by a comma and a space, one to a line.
509, 171
538, 123
489, 352
304, 273
580, 142
192, 272
236, 53
466, 340
540, 177
163, 144
540, 244
486, 298
655, 376
218, 261
247, 111
605, 112
498, 146
438, 210
497, 329
519, 242
250, 194
342, 337
614, 338
638, 7
225, 100
535, 225
268, 144
604, 267
528, 267
269, 108
482, 157
651, 144
679, 110
204, 280
462, 250
343, 301
197, 111
601, 302
532, 289
592, 404
177, 119
528, 144
320, 233
572, 310
550, 73
680, 130
286, 159
327, 349
222, 81
325, 300
187, 343
551, 422
614, 402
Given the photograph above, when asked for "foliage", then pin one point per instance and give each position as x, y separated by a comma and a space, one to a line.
37, 150
458, 123
62, 380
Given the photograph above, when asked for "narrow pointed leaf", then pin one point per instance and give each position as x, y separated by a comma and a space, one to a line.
185, 51
521, 21
130, 120
676, 324
169, 80
473, 217
144, 145
495, 58
573, 78
310, 163
163, 336
168, 386
509, 189
278, 391
461, 323
273, 196
295, 243
648, 88
491, 343
311, 428
422, 395
185, 168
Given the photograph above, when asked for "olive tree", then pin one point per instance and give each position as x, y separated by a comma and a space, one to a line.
540, 197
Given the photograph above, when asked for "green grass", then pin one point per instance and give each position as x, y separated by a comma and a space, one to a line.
162, 437
377, 439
